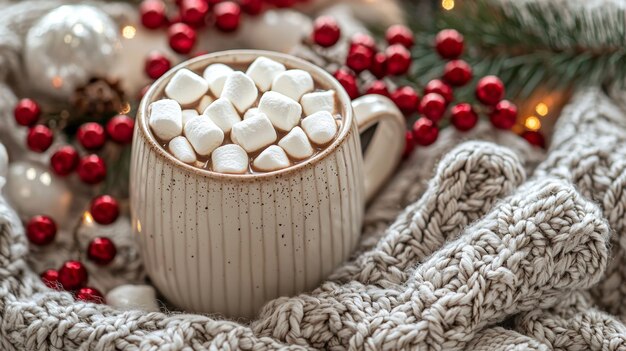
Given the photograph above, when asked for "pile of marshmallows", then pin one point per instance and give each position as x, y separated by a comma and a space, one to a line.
202, 127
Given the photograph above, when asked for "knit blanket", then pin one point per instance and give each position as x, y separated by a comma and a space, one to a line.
489, 255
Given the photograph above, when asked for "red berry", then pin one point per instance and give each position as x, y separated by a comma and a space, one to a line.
104, 209
64, 160
534, 138
489, 90
39, 138
409, 144
182, 37
252, 7
457, 73
406, 98
379, 65
326, 31
463, 117
152, 13
120, 129
41, 230
359, 58
504, 115
425, 131
227, 16
51, 278
398, 59
101, 251
193, 12
26, 112
348, 81
363, 40
378, 87
91, 169
441, 88
72, 275
91, 136
92, 295
156, 65
433, 106
399, 34
449, 44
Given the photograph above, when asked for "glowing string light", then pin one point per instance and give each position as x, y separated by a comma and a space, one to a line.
542, 109
129, 32
532, 123
447, 4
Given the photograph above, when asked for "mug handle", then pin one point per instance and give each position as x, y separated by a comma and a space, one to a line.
385, 149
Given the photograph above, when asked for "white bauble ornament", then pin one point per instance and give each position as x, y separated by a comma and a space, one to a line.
4, 165
68, 46
34, 190
133, 297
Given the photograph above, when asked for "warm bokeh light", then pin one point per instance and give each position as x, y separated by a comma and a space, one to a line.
542, 109
129, 32
87, 218
125, 109
532, 123
57, 82
447, 4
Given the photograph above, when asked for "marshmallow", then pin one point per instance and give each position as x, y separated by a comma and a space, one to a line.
271, 159
133, 297
166, 120
222, 113
253, 112
320, 127
263, 71
296, 144
230, 158
293, 83
186, 87
240, 90
216, 75
205, 101
188, 115
182, 150
203, 135
284, 112
253, 133
318, 101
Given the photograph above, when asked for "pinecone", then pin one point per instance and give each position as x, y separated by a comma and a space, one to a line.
98, 98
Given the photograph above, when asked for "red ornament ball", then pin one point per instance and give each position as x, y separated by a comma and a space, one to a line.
363, 39
73, 275
457, 73
463, 117
51, 278
104, 209
182, 37
156, 65
359, 58
406, 98
39, 138
152, 13
120, 129
399, 34
398, 59
489, 90
449, 44
326, 31
425, 131
26, 112
433, 106
534, 138
252, 7
504, 115
91, 136
193, 12
378, 87
101, 251
64, 160
439, 87
91, 169
348, 81
92, 295
409, 144
227, 16
379, 65
41, 230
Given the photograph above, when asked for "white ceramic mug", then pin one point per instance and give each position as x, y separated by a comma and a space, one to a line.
221, 243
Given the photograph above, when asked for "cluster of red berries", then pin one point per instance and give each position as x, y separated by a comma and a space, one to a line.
72, 276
